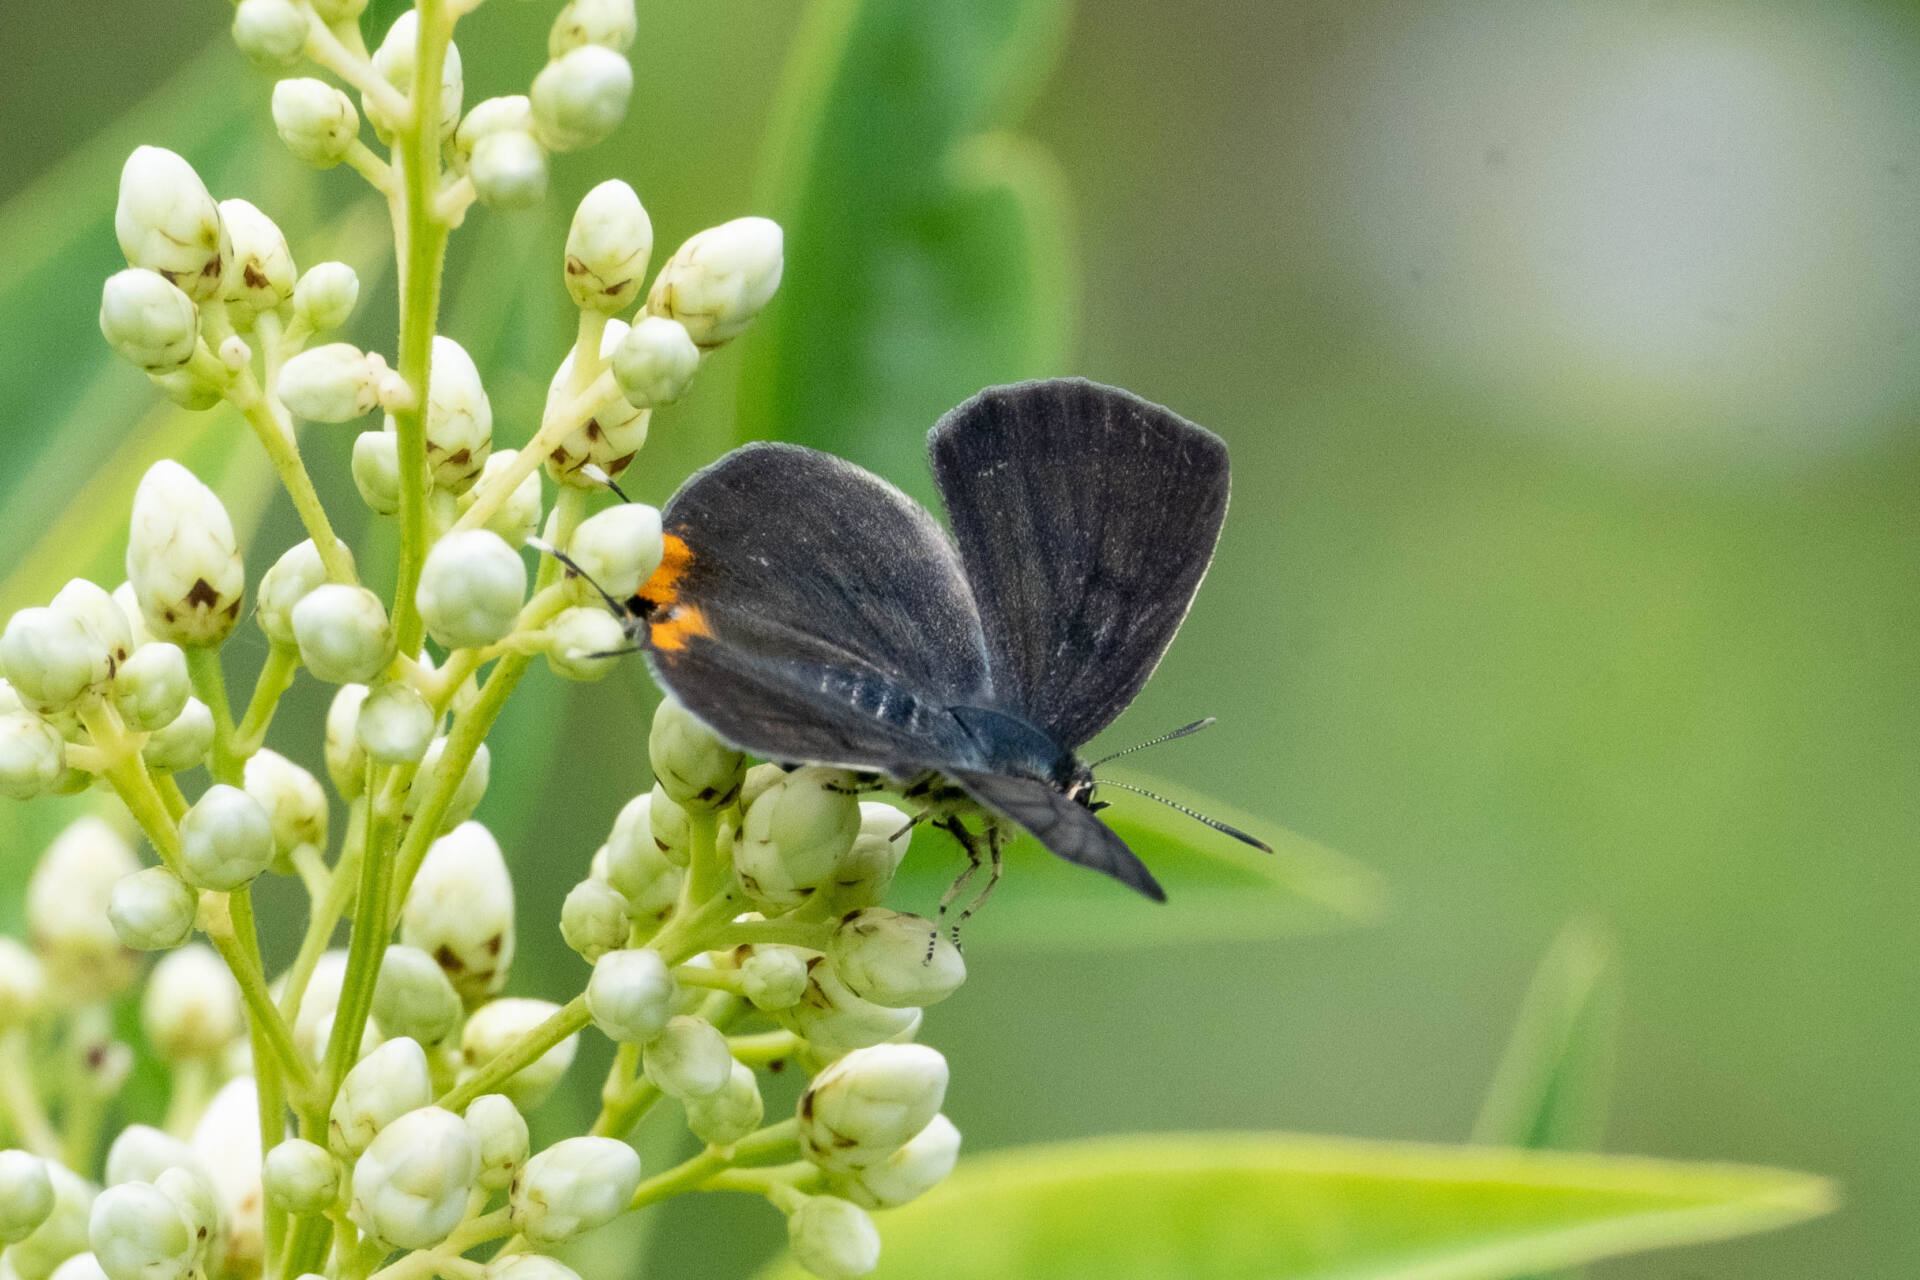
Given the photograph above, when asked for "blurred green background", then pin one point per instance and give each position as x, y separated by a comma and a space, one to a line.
1567, 353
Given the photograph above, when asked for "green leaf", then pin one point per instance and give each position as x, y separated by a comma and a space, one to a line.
926, 257
1284, 1207
1218, 890
1550, 1089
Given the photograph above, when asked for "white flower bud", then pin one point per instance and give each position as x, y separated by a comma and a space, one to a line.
227, 1144
833, 1238
631, 995
152, 686
593, 919
688, 1058
99, 614
325, 295
494, 1027
26, 1195
866, 872
655, 362
833, 1020
298, 571
300, 1177
129, 604
490, 116
758, 779
138, 1234
694, 768
261, 274
148, 320
611, 23
295, 804
460, 911
152, 910
395, 62
670, 825
584, 643
529, 1266
81, 1266
884, 956
501, 1132
608, 440
273, 33
795, 835
32, 756
183, 742
637, 866
166, 222
869, 1104
337, 382
60, 1235
471, 589
67, 898
413, 998
575, 1185
376, 470
51, 658
720, 279
619, 548
226, 839
410, 1188
343, 634
141, 1153
182, 558
580, 98
912, 1171
191, 1191
190, 390
509, 170
722, 1119
315, 120
773, 977
466, 797
395, 724
346, 756
381, 1087
191, 1006
519, 516
459, 420
607, 249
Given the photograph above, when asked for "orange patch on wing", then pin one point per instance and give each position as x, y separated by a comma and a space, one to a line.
663, 587
671, 633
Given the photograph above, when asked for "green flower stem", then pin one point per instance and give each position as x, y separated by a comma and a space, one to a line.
768, 1046
171, 795
325, 48
270, 1082
276, 677
422, 248
274, 429
367, 943
689, 975
306, 1246
232, 935
210, 686
20, 1101
326, 913
424, 1263
377, 172
451, 205
813, 935
190, 1085
696, 1172
569, 1019
707, 872
555, 427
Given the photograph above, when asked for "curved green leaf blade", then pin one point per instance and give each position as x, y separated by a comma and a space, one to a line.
1218, 890
927, 249
1285, 1207
1550, 1089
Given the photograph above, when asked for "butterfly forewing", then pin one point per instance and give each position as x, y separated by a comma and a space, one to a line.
1086, 518
809, 611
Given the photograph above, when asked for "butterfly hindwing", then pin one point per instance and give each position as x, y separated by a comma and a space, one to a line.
1065, 827
808, 610
1086, 518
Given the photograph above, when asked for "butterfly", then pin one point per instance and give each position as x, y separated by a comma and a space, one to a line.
808, 611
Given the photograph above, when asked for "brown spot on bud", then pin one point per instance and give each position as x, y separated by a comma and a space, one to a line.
446, 959
202, 595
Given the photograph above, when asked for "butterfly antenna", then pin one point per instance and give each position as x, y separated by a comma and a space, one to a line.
598, 476
1183, 731
1195, 814
548, 549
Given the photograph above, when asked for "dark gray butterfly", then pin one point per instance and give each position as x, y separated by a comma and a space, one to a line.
809, 611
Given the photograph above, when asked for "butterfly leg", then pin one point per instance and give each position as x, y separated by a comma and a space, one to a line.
994, 870
954, 828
